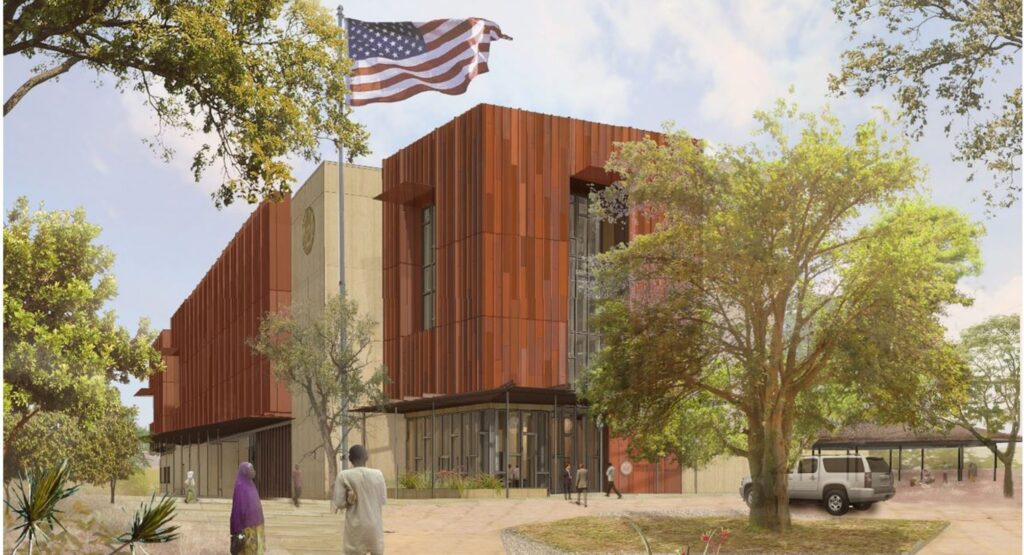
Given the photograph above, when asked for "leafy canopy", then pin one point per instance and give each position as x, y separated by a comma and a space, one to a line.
263, 78
950, 50
788, 287
60, 351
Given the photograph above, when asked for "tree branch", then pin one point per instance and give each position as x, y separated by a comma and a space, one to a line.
36, 80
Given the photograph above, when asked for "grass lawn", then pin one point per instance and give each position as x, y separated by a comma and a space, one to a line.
141, 483
667, 534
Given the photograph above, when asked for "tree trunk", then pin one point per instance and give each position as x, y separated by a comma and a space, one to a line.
113, 484
332, 473
769, 472
1007, 460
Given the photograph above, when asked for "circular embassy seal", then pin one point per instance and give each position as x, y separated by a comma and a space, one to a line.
626, 468
308, 230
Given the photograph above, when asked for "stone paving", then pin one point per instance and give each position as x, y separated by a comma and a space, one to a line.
474, 526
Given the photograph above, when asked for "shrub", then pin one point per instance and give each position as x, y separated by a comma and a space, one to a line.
414, 480
486, 481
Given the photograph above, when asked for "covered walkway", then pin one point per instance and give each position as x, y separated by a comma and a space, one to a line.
897, 439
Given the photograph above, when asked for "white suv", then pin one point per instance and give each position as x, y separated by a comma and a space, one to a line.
837, 482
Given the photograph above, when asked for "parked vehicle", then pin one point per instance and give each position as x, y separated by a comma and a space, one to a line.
836, 481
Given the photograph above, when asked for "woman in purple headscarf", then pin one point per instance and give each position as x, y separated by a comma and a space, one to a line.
246, 514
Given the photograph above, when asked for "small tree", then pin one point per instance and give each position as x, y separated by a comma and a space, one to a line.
110, 450
61, 353
759, 308
305, 347
951, 51
991, 350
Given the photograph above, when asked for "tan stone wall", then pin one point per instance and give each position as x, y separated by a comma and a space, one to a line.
721, 475
315, 279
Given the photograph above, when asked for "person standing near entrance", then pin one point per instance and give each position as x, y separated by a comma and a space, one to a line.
296, 485
610, 474
190, 487
581, 484
362, 493
246, 514
567, 481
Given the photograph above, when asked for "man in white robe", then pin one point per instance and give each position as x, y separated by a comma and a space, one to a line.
362, 493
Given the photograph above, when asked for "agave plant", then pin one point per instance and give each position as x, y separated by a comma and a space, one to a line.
37, 510
151, 525
643, 537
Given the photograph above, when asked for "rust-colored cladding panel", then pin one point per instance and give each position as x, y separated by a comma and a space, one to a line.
212, 376
500, 181
664, 476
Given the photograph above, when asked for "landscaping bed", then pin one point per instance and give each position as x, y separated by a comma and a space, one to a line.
667, 534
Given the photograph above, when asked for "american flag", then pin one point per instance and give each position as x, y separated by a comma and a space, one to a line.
395, 60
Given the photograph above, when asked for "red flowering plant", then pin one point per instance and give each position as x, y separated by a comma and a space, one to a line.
714, 538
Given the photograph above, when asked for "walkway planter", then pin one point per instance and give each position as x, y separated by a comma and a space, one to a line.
445, 493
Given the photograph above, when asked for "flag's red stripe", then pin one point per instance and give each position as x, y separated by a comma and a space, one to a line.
441, 78
431, 63
431, 25
406, 93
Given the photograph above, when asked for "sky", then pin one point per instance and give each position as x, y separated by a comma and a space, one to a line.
707, 66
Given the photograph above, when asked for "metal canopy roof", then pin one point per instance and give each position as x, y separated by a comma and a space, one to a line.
875, 436
518, 395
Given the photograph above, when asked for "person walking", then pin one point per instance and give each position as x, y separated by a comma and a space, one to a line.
246, 514
567, 481
296, 485
362, 493
581, 484
190, 487
609, 473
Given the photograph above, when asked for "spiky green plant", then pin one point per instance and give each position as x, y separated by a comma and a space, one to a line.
36, 510
643, 537
151, 525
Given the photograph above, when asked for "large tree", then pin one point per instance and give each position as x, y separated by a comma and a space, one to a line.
264, 80
951, 51
322, 353
991, 351
762, 306
61, 350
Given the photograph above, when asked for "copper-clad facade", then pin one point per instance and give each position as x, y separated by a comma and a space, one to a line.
212, 377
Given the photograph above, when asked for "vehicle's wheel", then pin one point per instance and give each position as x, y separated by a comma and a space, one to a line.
862, 506
836, 502
748, 496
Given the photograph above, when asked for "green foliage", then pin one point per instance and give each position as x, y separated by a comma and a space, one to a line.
414, 480
36, 510
262, 81
60, 351
451, 479
150, 525
970, 43
991, 353
485, 481
761, 311
304, 345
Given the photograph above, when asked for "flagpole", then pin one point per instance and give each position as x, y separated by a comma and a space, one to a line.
341, 260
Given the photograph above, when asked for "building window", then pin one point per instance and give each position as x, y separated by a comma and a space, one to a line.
588, 236
429, 267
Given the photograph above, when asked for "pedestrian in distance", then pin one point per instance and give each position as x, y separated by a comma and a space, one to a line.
362, 493
190, 487
609, 473
246, 514
581, 484
296, 485
567, 481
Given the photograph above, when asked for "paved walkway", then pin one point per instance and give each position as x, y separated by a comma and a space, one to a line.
474, 526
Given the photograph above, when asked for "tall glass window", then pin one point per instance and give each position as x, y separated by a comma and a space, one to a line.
588, 236
429, 267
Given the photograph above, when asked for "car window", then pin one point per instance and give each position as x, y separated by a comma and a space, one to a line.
843, 464
808, 466
878, 464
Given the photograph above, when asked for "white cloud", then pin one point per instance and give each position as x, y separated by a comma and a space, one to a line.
1005, 299
99, 164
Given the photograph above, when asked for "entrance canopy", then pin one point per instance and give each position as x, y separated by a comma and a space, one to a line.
518, 395
874, 436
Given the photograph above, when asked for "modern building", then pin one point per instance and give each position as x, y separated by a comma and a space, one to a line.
471, 248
